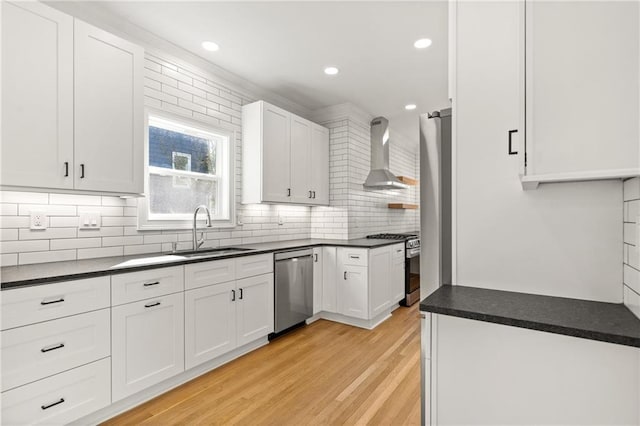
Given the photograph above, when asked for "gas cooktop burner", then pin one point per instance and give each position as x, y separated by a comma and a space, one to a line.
392, 236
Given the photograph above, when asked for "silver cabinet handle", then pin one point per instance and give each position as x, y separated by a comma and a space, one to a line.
151, 305
53, 404
52, 347
49, 302
150, 284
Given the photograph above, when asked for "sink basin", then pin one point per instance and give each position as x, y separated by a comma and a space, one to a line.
211, 252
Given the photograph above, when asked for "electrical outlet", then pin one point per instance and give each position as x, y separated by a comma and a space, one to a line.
38, 220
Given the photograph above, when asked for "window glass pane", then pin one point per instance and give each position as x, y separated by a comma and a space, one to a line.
177, 150
180, 195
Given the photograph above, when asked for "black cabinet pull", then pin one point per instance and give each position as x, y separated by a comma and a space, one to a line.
66, 169
53, 404
315, 257
511, 151
150, 284
345, 275
81, 171
354, 257
288, 192
233, 295
310, 194
151, 305
314, 195
241, 295
52, 301
52, 348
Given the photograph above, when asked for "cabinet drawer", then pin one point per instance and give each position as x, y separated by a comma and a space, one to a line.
397, 253
126, 288
40, 350
206, 273
353, 256
250, 266
29, 305
60, 399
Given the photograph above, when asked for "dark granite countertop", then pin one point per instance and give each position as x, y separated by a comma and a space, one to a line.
606, 322
27, 275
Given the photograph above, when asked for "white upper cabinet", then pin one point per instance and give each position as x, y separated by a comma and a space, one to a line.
109, 122
301, 192
37, 96
72, 104
285, 157
582, 89
320, 165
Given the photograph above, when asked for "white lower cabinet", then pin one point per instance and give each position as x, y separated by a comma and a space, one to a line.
60, 399
210, 323
380, 288
47, 348
352, 291
147, 343
397, 273
317, 279
329, 279
255, 308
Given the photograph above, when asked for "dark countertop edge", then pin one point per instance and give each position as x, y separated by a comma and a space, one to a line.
620, 339
102, 272
537, 326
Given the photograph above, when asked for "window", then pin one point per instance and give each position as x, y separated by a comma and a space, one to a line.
188, 164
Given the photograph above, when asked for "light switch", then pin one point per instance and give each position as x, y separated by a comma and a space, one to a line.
89, 220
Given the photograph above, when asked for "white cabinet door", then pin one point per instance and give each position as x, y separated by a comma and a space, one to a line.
109, 120
301, 161
352, 292
276, 154
254, 308
397, 273
320, 164
317, 279
210, 322
37, 96
147, 343
329, 279
380, 280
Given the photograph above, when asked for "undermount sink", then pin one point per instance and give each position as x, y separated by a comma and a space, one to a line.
211, 252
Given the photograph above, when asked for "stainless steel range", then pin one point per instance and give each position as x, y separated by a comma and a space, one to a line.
412, 263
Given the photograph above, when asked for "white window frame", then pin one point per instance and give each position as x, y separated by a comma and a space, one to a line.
225, 162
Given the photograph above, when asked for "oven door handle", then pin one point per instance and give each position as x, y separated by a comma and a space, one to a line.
413, 253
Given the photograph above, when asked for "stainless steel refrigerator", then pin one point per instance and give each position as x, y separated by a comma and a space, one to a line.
435, 214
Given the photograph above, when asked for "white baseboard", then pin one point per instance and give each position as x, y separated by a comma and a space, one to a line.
132, 401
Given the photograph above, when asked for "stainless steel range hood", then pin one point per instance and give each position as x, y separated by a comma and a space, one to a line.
380, 177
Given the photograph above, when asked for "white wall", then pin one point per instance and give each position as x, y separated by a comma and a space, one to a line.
631, 251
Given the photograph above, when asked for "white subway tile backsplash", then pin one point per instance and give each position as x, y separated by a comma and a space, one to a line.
90, 253
630, 232
46, 256
113, 231
631, 277
75, 243
49, 233
114, 201
48, 209
119, 221
142, 249
8, 209
632, 300
71, 199
14, 221
122, 241
8, 234
10, 259
63, 222
23, 246
632, 211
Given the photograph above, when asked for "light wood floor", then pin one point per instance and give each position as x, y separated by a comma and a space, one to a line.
325, 373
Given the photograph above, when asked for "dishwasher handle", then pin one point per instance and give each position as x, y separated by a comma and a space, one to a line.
287, 255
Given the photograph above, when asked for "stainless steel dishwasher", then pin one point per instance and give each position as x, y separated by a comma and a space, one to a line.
293, 289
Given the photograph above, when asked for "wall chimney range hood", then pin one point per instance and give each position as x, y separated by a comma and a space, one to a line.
380, 177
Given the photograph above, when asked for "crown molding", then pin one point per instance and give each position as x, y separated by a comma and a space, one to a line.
343, 111
93, 14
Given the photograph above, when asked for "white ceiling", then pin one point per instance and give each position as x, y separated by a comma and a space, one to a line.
284, 46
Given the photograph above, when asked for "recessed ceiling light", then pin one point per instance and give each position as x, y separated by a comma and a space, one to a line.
331, 70
423, 43
210, 46
410, 107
